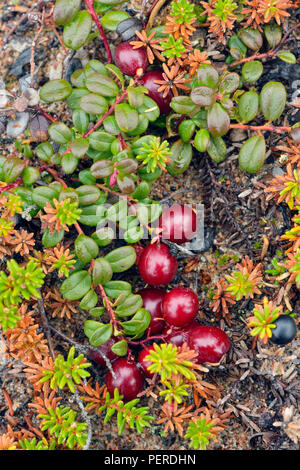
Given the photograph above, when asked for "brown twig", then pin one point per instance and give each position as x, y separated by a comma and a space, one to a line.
265, 127
85, 349
8, 401
154, 11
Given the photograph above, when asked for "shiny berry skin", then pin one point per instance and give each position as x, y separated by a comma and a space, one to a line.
180, 307
209, 342
143, 363
129, 379
129, 60
106, 349
157, 266
178, 223
178, 336
148, 81
152, 299
285, 330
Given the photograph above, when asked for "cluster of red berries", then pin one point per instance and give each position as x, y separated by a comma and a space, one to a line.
172, 313
130, 60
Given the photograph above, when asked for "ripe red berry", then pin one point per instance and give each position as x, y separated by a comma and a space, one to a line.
180, 306
148, 81
145, 363
129, 60
152, 299
209, 342
106, 350
178, 336
178, 223
285, 330
129, 379
157, 266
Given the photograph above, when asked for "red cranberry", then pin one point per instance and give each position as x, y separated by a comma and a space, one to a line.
152, 299
209, 342
178, 336
178, 223
129, 60
144, 363
157, 266
180, 306
106, 349
148, 81
129, 379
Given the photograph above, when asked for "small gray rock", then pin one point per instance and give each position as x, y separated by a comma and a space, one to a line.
16, 126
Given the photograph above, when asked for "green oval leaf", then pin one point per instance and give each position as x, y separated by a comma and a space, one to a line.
101, 84
114, 289
102, 271
93, 104
86, 248
60, 133
181, 158
217, 149
251, 37
248, 106
127, 118
55, 90
76, 33
182, 105
76, 285
121, 258
65, 10
272, 100
251, 71
252, 154
97, 333
111, 20
203, 96
218, 120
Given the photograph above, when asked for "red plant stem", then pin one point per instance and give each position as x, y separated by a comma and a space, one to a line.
46, 115
149, 338
253, 57
266, 127
109, 308
90, 7
15, 184
108, 113
269, 53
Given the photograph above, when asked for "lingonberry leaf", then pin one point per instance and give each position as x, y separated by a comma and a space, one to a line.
251, 71
121, 259
55, 90
181, 156
218, 120
272, 100
76, 285
252, 154
76, 33
65, 10
248, 106
102, 271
